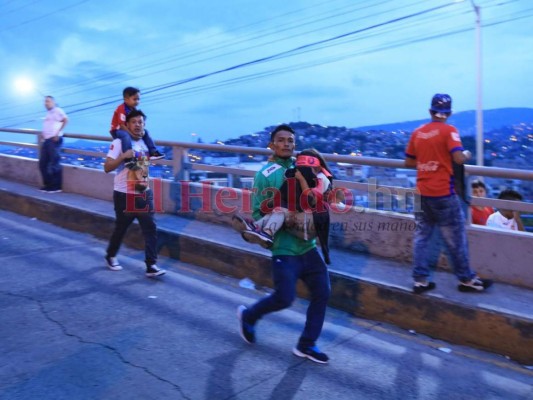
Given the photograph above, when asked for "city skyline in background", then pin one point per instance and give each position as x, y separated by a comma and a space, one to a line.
221, 71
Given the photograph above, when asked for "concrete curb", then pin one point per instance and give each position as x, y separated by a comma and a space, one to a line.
497, 332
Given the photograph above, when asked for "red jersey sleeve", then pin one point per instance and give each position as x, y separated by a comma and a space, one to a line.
454, 141
119, 118
410, 150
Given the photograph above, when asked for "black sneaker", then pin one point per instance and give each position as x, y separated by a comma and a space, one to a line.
112, 263
246, 330
156, 155
241, 224
153, 270
421, 287
313, 353
475, 285
259, 237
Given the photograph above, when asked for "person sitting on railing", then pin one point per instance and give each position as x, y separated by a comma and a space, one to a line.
311, 176
504, 218
480, 213
119, 130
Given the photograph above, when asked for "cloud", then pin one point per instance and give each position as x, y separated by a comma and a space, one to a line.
89, 72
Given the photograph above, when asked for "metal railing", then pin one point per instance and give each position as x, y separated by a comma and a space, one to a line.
181, 166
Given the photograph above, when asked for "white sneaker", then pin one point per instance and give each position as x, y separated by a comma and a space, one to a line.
113, 264
153, 270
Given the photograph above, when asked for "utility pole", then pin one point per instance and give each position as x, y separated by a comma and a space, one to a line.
479, 78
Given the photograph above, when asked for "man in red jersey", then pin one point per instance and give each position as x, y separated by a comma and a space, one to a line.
431, 149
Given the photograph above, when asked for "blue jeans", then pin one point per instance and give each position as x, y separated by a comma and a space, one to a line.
50, 165
446, 215
436, 245
143, 211
286, 270
125, 139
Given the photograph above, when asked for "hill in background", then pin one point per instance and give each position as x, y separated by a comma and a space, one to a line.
465, 121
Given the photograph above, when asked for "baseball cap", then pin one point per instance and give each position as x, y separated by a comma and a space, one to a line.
441, 104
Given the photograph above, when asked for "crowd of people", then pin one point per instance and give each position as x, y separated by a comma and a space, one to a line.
288, 225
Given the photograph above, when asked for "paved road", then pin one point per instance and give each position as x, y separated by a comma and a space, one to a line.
71, 329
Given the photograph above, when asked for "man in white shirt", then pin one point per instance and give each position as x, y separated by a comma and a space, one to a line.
507, 219
132, 196
51, 140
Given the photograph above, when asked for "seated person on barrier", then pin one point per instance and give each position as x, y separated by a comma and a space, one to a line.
480, 213
303, 216
507, 219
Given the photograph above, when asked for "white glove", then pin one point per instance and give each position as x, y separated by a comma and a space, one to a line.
467, 154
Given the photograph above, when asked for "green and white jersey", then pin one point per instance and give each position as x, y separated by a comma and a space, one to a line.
267, 181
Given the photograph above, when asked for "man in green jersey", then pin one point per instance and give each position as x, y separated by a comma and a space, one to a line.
292, 258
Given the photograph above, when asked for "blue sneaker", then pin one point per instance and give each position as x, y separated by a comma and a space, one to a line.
313, 353
246, 330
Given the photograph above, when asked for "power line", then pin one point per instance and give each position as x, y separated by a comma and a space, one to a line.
213, 48
264, 74
42, 16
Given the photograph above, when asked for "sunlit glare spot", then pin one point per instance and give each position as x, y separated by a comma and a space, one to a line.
23, 85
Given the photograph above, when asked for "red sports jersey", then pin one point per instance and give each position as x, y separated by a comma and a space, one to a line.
119, 117
432, 145
479, 217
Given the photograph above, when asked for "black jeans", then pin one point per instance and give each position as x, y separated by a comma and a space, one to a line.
129, 206
49, 164
286, 270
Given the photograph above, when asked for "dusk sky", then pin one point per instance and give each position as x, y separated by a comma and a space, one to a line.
222, 69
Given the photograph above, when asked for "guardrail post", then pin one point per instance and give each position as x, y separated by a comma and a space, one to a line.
179, 157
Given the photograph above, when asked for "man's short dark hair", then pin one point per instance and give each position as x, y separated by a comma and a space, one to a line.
49, 97
282, 127
130, 91
477, 184
434, 113
135, 113
509, 194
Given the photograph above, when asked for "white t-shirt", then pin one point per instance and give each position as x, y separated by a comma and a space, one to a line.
52, 122
121, 176
497, 220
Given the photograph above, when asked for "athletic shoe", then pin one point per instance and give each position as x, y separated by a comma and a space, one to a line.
259, 237
313, 353
246, 330
475, 285
421, 287
153, 270
156, 155
54, 191
241, 224
112, 263
43, 189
